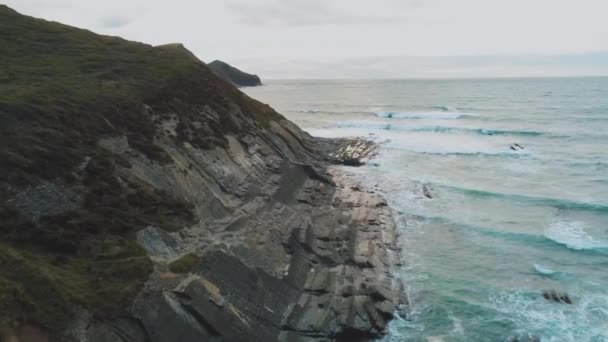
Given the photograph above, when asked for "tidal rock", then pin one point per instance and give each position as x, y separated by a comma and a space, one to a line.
558, 297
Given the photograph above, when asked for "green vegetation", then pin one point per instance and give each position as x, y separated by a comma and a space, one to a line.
82, 258
61, 88
45, 290
185, 264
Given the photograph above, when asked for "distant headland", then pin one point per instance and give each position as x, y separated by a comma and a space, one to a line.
233, 75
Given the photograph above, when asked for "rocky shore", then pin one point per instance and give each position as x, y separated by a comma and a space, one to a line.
308, 257
159, 204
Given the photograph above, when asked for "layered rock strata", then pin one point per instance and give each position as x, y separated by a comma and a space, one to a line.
143, 198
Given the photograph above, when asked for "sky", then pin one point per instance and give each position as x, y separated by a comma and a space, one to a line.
360, 38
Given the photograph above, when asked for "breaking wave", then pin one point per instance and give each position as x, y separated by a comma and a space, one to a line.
481, 154
436, 129
572, 234
551, 202
543, 270
425, 115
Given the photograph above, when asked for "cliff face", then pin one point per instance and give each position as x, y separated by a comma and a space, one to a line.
234, 75
145, 199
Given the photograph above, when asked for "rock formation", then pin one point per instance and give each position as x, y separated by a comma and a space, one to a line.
234, 75
557, 297
144, 199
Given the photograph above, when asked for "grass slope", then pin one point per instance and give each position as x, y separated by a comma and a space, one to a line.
61, 90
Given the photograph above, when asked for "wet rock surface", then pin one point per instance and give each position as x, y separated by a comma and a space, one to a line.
557, 297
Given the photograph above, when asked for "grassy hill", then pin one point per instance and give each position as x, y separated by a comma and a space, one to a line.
61, 90
62, 86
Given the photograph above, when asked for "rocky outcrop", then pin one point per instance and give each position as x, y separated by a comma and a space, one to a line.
289, 248
192, 213
310, 261
234, 75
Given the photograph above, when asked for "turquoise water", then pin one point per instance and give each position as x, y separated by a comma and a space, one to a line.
505, 221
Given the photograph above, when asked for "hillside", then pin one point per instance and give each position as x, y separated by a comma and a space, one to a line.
143, 198
234, 75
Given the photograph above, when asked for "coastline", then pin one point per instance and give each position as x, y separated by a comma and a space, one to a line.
325, 251
180, 209
311, 257
144, 198
479, 171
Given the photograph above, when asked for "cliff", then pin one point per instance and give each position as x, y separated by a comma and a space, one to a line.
234, 75
143, 198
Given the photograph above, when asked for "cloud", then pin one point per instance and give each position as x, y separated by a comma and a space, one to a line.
342, 38
113, 22
304, 13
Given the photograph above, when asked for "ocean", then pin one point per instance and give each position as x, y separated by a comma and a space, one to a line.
501, 186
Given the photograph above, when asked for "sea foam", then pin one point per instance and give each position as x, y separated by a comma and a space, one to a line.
543, 270
425, 115
572, 234
381, 125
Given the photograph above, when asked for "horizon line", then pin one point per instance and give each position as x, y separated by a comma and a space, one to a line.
428, 78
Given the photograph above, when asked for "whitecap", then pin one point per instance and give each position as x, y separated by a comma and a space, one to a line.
572, 234
386, 125
367, 124
424, 115
457, 327
550, 322
543, 270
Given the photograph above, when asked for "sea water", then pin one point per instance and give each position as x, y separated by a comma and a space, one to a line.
501, 186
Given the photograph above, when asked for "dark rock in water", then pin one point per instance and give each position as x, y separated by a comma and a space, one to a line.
426, 191
524, 338
352, 162
234, 75
557, 297
142, 198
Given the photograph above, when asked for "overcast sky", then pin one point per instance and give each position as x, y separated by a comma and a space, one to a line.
360, 38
